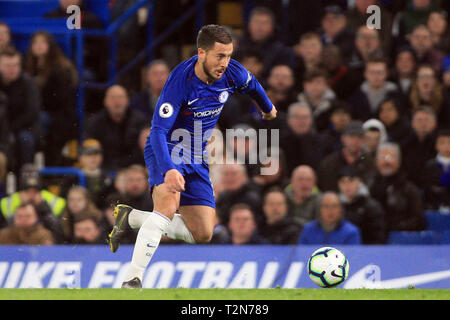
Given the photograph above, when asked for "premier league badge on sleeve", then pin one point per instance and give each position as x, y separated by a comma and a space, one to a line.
223, 96
166, 110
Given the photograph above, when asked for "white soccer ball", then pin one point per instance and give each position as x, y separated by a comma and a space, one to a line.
328, 267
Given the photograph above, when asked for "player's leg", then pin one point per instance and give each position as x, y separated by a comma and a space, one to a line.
130, 218
200, 221
149, 235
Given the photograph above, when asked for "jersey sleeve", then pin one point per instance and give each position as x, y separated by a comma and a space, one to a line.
170, 101
247, 83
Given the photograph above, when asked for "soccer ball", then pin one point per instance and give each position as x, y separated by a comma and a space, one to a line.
328, 267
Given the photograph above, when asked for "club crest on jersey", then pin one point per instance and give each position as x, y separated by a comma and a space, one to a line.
165, 110
223, 96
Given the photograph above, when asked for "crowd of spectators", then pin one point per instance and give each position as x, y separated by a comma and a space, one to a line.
363, 120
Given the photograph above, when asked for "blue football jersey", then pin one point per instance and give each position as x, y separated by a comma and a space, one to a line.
188, 109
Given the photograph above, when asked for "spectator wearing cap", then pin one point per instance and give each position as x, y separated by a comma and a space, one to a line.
31, 191
122, 126
330, 227
399, 197
26, 228
366, 100
374, 134
279, 225
334, 29
351, 153
436, 175
360, 208
99, 182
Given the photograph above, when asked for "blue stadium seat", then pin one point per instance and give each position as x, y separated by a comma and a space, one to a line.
413, 237
445, 237
38, 8
437, 221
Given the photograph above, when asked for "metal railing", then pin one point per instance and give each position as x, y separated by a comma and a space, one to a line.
74, 41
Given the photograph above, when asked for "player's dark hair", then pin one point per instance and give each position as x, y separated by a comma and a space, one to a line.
212, 33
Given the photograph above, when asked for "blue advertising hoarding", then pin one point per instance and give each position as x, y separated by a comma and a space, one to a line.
214, 266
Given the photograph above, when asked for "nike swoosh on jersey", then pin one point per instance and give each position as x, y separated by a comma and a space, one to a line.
192, 101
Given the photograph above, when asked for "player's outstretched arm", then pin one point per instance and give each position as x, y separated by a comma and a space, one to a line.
270, 115
247, 83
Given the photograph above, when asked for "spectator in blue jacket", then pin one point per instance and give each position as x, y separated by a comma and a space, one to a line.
330, 227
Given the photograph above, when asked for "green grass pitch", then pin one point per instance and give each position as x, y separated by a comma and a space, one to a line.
224, 294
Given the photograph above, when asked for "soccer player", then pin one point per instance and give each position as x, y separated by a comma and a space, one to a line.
191, 101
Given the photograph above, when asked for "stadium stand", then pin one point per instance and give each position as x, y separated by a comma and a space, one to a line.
132, 33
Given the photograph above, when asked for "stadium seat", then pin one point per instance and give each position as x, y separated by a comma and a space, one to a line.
38, 8
445, 237
437, 221
413, 237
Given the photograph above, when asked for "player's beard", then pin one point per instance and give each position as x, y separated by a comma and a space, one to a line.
211, 76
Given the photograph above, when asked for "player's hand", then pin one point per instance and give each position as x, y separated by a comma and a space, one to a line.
174, 181
271, 115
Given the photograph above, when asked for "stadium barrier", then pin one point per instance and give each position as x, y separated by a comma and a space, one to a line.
214, 266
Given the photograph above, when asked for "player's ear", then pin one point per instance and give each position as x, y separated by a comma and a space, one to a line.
201, 52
